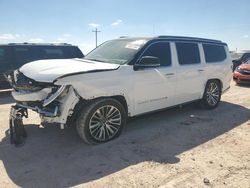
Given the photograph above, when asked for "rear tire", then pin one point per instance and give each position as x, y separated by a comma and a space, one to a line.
212, 94
101, 120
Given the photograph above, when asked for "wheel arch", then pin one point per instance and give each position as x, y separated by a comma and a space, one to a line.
122, 100
119, 98
82, 102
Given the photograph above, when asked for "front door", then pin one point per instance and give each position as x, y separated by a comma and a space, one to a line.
154, 88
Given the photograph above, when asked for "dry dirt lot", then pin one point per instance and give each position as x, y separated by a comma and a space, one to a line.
180, 147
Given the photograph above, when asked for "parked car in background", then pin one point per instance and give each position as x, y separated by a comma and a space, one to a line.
241, 74
14, 55
240, 57
121, 78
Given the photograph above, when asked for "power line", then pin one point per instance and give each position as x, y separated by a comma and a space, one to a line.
96, 31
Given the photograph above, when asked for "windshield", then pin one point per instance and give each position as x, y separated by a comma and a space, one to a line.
116, 51
247, 62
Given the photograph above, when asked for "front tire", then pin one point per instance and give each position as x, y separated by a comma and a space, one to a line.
101, 120
212, 94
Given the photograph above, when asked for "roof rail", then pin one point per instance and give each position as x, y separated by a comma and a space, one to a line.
188, 38
33, 43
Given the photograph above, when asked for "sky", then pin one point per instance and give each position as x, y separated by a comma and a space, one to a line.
72, 21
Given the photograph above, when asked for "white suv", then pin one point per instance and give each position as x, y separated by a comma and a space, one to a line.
121, 78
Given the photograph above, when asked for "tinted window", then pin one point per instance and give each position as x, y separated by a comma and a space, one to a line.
2, 55
76, 52
53, 53
160, 50
5, 59
23, 55
214, 53
188, 53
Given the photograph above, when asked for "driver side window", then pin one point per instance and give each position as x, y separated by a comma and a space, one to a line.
160, 50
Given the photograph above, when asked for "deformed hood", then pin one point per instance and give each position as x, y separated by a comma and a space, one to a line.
49, 70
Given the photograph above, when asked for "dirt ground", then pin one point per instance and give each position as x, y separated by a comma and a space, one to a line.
180, 147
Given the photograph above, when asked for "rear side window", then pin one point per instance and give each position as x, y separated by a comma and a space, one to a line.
188, 53
23, 55
53, 53
214, 53
60, 52
160, 50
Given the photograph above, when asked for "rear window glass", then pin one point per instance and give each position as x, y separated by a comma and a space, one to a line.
214, 53
188, 53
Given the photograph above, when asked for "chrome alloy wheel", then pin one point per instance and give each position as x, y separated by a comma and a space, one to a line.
213, 94
105, 123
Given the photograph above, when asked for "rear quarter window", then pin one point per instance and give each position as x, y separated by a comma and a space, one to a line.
214, 53
76, 52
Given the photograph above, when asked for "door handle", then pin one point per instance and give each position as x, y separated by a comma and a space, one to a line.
169, 74
200, 70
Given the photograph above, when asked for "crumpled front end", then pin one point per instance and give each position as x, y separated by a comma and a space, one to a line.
54, 103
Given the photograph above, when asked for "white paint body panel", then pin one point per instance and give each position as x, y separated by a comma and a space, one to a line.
49, 70
190, 80
144, 90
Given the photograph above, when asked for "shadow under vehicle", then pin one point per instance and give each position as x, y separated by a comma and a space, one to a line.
59, 159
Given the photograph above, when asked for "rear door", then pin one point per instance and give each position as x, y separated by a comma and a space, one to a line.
190, 72
154, 88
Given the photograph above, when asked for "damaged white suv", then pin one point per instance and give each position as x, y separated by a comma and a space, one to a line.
119, 79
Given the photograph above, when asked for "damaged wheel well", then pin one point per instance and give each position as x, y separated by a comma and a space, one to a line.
82, 103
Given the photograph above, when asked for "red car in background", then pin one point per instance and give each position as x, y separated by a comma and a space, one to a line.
241, 74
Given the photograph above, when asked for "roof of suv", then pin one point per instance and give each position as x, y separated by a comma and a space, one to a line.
36, 44
178, 38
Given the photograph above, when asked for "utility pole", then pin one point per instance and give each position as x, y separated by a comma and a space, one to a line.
96, 31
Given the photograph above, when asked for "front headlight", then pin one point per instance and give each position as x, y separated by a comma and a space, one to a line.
54, 95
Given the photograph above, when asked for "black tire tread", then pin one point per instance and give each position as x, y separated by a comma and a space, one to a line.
203, 102
84, 115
